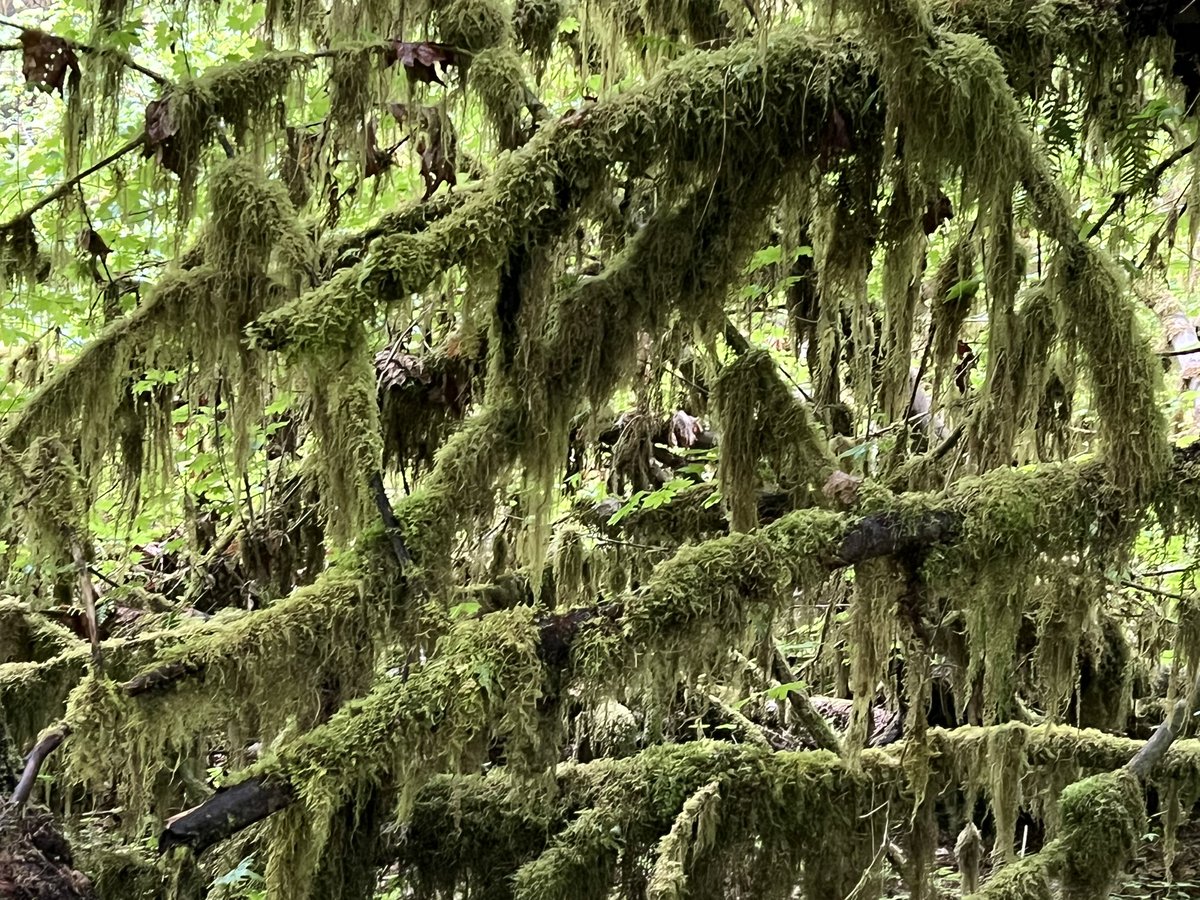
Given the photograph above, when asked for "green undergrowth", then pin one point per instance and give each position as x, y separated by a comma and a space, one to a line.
762, 421
713, 818
484, 684
265, 673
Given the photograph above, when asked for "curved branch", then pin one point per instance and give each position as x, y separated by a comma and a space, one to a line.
47, 744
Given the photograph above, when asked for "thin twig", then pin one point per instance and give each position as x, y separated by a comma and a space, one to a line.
1133, 585
1187, 351
67, 186
1148, 183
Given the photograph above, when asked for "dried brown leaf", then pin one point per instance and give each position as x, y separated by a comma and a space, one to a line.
47, 59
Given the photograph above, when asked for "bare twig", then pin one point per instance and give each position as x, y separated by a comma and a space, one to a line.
1119, 198
1153, 751
67, 186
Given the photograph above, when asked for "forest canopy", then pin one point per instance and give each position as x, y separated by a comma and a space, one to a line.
596, 448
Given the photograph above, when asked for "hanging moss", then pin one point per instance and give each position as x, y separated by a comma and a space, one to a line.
761, 420
264, 673
485, 681
242, 96
903, 261
953, 296
878, 585
570, 567
345, 415
592, 834
498, 78
684, 113
690, 836
535, 24
26, 636
20, 257
1102, 316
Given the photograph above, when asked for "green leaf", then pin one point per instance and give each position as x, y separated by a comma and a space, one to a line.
967, 288
464, 610
779, 692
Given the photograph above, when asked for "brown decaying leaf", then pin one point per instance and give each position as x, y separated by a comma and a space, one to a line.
437, 145
937, 212
966, 362
160, 129
91, 244
377, 160
421, 59
47, 59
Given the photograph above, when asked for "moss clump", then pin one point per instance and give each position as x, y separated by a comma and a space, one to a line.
242, 96
287, 666
498, 78
1103, 820
20, 257
484, 684
535, 24
345, 415
761, 420
690, 836
713, 816
570, 566
26, 636
473, 25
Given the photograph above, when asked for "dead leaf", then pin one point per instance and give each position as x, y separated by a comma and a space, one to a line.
842, 488
966, 362
91, 244
377, 160
937, 212
47, 59
160, 133
437, 146
421, 59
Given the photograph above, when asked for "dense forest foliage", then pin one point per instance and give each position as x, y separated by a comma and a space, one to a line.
599, 449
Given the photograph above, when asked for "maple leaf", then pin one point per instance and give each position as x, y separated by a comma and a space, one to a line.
47, 59
421, 59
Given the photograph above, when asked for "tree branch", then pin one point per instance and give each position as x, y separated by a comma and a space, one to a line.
67, 186
47, 744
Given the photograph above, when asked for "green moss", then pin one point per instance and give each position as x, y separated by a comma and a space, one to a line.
282, 668
345, 416
26, 636
761, 420
242, 95
535, 25
1103, 820
20, 258
498, 79
690, 837
473, 25
484, 682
